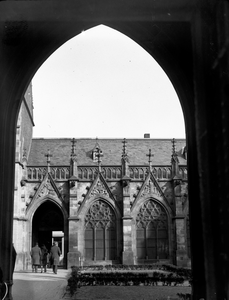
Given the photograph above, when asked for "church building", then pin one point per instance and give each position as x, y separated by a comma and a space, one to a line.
105, 201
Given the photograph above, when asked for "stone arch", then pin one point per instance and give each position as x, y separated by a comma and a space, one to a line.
156, 198
53, 23
106, 199
34, 206
150, 235
152, 227
100, 238
53, 213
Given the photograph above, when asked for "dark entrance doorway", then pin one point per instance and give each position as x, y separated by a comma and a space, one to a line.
48, 221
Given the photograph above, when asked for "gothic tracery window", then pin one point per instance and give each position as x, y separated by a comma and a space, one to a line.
100, 232
152, 231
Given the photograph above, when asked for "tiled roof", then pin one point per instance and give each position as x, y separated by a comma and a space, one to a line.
137, 149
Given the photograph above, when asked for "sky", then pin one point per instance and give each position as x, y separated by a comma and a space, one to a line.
102, 84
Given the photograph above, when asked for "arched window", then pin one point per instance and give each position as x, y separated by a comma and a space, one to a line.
100, 232
152, 231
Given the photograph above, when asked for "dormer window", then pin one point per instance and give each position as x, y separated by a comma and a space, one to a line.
96, 154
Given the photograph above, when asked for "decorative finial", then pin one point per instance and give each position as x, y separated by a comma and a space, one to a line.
124, 153
48, 155
173, 146
99, 155
150, 155
73, 153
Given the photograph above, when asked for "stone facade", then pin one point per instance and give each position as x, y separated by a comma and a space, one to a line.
107, 201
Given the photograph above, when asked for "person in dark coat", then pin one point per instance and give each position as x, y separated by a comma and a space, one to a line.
36, 257
44, 258
55, 256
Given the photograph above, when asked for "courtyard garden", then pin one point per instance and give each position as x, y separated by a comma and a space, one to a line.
140, 282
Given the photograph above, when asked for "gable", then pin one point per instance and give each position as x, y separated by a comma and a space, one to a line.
46, 188
150, 188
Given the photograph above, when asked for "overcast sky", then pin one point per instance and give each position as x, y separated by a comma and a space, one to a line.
102, 84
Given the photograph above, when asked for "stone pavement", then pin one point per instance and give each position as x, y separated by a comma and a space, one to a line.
39, 286
48, 286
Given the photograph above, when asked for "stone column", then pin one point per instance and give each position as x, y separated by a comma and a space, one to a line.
74, 256
8, 113
181, 249
128, 255
181, 246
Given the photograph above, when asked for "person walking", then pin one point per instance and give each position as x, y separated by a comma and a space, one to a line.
44, 258
36, 257
55, 256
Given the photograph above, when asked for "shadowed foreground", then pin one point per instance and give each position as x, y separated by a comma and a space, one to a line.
47, 286
130, 292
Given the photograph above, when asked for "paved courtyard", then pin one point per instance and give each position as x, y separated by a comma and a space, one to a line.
39, 286
48, 286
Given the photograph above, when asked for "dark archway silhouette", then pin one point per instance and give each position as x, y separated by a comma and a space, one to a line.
189, 40
47, 219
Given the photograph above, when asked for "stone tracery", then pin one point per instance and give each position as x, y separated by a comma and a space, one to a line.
100, 213
151, 212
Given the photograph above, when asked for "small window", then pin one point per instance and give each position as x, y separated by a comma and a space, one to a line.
95, 153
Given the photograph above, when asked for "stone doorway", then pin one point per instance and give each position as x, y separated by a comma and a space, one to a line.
48, 220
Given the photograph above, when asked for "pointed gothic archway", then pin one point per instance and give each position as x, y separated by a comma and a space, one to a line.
48, 226
152, 232
100, 232
43, 28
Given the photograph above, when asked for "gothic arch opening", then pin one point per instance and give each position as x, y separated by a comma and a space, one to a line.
48, 226
152, 236
100, 233
170, 36
96, 241
104, 68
